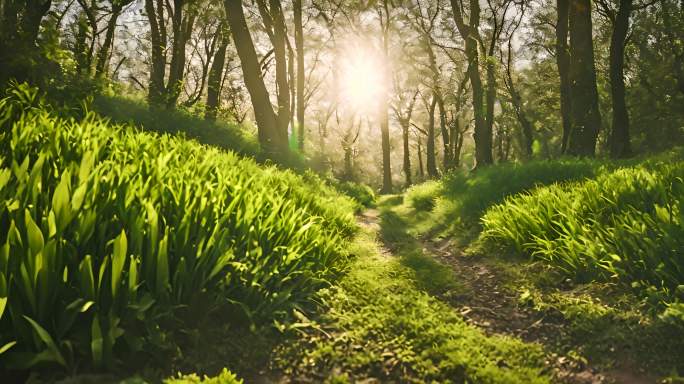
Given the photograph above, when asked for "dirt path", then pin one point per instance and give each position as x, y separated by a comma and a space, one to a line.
488, 305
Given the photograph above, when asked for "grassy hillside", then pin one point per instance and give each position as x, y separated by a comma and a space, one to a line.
111, 238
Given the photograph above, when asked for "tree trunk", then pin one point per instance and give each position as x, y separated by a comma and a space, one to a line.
430, 145
383, 113
263, 112
407, 154
490, 94
445, 133
563, 63
483, 135
103, 54
619, 138
182, 27
299, 46
421, 169
215, 76
156, 90
279, 52
586, 118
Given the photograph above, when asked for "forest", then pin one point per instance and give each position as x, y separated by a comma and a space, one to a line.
341, 191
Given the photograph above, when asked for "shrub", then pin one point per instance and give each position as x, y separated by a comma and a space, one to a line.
627, 224
423, 196
474, 192
361, 193
225, 377
107, 234
222, 134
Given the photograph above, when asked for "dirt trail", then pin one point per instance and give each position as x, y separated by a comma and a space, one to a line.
495, 309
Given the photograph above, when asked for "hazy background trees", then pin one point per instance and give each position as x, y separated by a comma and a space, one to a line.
388, 92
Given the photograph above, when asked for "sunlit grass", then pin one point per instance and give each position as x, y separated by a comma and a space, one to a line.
111, 239
378, 323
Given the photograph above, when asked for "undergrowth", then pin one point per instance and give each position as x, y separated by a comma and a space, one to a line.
112, 241
378, 323
626, 225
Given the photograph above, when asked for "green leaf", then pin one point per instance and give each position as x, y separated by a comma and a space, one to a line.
85, 269
118, 261
162, 275
3, 304
132, 277
7, 346
61, 202
96, 343
35, 236
86, 166
49, 342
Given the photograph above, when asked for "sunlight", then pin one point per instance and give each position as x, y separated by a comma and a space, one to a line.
361, 80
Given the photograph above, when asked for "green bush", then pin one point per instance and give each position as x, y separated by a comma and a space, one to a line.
225, 377
423, 197
474, 192
107, 235
361, 193
627, 224
127, 110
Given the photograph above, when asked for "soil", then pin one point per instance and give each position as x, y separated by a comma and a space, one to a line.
490, 306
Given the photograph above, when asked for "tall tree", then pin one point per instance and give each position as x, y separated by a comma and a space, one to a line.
586, 118
385, 25
469, 32
430, 140
216, 74
619, 140
403, 110
563, 63
103, 54
267, 120
161, 92
299, 47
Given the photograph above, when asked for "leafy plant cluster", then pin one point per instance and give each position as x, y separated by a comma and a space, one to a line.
626, 224
361, 193
109, 236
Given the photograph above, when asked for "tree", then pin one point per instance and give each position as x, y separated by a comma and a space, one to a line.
272, 141
563, 63
299, 46
384, 17
527, 131
216, 73
161, 92
469, 32
103, 54
619, 140
403, 109
586, 118
19, 25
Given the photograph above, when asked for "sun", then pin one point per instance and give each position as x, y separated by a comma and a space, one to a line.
362, 79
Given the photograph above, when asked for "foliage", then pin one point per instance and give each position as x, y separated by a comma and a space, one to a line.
626, 225
361, 193
422, 196
109, 235
225, 377
222, 134
377, 324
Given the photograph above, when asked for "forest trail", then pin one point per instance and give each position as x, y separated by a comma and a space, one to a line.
488, 303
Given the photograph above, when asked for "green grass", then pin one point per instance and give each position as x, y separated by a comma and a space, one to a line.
135, 111
626, 225
378, 323
114, 241
361, 193
396, 232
